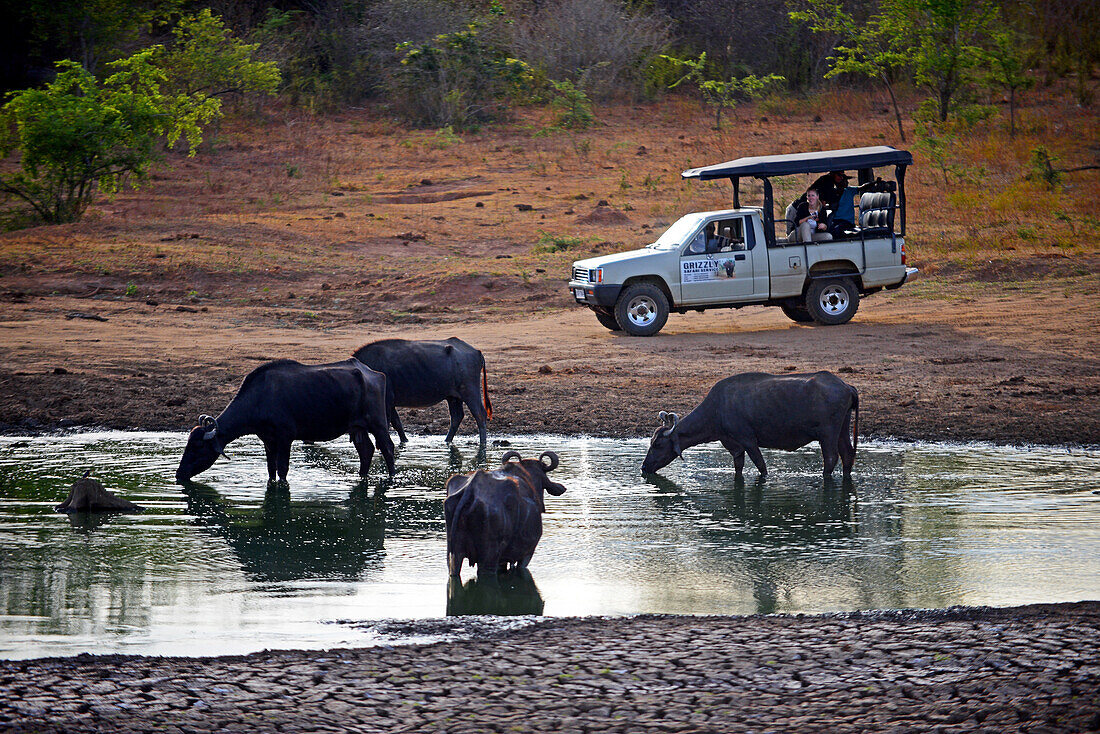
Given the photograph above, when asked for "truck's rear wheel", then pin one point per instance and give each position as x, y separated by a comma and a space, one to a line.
796, 312
607, 319
832, 300
642, 309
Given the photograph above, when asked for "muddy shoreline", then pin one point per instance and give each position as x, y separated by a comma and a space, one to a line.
1024, 669
976, 371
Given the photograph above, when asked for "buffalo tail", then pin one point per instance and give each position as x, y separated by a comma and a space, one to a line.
485, 391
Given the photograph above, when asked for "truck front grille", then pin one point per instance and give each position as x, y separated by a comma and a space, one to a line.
580, 275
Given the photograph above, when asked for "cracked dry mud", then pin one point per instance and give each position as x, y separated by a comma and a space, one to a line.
1025, 669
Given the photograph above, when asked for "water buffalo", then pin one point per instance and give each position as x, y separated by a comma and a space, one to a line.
754, 410
423, 373
494, 518
284, 401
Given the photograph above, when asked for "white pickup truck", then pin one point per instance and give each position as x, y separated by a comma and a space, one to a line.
733, 257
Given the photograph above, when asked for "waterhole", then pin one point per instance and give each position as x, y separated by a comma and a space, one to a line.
230, 565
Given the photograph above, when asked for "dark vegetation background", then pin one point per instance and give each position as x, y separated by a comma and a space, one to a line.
341, 52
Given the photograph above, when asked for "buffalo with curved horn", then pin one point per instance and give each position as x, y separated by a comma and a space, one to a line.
284, 401
494, 518
754, 410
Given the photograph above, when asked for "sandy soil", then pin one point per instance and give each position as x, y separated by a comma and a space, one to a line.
931, 361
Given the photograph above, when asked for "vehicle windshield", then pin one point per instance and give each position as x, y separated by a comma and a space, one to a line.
682, 229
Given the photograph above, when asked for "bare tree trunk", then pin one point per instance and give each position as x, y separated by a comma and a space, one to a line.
894, 102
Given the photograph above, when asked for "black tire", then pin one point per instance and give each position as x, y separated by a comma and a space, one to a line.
796, 312
607, 320
832, 301
642, 309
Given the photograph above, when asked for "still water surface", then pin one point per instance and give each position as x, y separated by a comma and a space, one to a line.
230, 566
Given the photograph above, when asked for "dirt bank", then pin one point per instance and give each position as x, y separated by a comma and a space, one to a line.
934, 360
1027, 669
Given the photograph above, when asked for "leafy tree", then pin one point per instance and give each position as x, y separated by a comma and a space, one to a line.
722, 94
457, 79
946, 39
89, 31
574, 109
205, 58
872, 48
1009, 61
78, 136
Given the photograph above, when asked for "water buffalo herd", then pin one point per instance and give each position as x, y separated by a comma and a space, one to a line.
494, 518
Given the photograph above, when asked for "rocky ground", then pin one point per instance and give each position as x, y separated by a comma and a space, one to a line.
1026, 669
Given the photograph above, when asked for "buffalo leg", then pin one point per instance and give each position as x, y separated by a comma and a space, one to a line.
395, 421
738, 455
758, 459
270, 452
282, 458
385, 445
477, 410
365, 449
456, 417
829, 452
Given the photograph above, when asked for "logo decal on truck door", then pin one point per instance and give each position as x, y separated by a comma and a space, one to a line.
706, 269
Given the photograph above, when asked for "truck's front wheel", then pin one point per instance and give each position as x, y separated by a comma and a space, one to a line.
832, 300
607, 319
642, 309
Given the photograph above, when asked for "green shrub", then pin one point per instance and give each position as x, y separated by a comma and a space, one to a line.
1041, 168
457, 79
77, 137
559, 243
574, 110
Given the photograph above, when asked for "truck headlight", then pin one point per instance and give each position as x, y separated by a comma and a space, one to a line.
595, 275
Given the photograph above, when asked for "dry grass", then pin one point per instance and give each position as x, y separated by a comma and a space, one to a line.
355, 212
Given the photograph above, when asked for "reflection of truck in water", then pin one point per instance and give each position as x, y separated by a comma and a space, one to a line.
734, 257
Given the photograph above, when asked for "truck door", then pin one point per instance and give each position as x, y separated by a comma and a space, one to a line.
716, 266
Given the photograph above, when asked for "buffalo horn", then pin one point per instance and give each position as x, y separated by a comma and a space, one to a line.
663, 417
509, 455
210, 425
673, 420
553, 460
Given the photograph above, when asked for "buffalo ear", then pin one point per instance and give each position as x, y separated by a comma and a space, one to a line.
554, 488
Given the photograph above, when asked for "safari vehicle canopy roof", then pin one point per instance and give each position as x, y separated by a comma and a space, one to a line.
819, 162
862, 160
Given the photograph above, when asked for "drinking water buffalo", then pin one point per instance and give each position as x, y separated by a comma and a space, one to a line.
494, 518
754, 410
423, 373
284, 401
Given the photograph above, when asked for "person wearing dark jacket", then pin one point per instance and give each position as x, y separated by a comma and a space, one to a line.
830, 187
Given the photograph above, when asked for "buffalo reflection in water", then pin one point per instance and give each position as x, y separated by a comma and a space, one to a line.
508, 594
285, 541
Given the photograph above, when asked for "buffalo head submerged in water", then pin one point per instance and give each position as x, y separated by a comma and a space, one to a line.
494, 518
754, 410
284, 401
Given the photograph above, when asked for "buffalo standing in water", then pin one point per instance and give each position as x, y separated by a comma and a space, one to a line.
754, 410
494, 518
423, 373
284, 401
